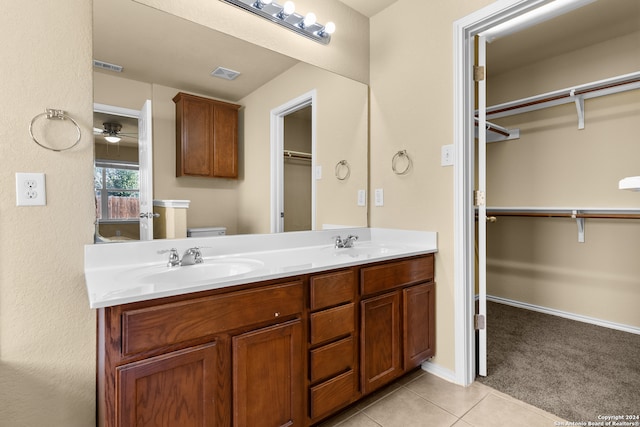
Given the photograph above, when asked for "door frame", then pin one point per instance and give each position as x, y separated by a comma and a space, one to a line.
277, 157
464, 31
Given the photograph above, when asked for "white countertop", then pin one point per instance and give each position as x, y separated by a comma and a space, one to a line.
121, 273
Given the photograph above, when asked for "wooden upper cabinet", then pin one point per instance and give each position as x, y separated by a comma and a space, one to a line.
206, 137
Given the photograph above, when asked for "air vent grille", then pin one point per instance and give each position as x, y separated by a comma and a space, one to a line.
225, 73
107, 66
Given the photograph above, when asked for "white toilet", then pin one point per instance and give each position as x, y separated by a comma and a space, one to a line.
206, 231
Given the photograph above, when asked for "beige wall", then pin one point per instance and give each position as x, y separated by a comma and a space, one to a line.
539, 261
412, 109
341, 134
47, 331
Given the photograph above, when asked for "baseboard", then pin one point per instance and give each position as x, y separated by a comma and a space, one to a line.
439, 371
566, 315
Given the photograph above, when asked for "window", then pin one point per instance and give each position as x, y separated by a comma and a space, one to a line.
117, 190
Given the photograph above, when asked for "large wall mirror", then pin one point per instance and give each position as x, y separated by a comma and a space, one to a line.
162, 55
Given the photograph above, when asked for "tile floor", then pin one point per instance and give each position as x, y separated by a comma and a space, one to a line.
422, 399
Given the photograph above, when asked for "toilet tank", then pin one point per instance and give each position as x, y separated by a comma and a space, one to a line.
206, 231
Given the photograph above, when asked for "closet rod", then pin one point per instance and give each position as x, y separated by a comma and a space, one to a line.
563, 215
289, 154
595, 89
579, 214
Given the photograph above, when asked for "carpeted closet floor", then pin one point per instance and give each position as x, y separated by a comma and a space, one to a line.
574, 370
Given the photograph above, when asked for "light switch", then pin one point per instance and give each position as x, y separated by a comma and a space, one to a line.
362, 198
379, 197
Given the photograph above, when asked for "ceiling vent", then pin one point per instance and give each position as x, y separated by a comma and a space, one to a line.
225, 73
107, 66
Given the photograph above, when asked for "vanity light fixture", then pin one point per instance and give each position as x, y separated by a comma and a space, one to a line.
286, 16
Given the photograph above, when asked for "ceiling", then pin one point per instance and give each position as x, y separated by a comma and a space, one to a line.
594, 23
140, 44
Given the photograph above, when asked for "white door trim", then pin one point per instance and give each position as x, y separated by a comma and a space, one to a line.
277, 155
464, 31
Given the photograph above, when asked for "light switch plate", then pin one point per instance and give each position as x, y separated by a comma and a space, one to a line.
446, 155
362, 198
379, 197
30, 189
318, 172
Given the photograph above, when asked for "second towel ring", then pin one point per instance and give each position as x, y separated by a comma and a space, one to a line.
394, 161
50, 113
343, 170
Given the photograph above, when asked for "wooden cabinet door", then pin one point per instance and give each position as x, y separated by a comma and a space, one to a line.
380, 340
225, 142
419, 324
268, 381
195, 153
171, 390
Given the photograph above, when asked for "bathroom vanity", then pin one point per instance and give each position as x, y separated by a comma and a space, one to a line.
282, 345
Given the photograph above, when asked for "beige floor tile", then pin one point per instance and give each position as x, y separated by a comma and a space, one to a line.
359, 420
451, 397
497, 411
404, 408
378, 395
340, 417
461, 423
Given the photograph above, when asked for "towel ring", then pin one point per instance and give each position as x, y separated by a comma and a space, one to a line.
343, 166
52, 114
394, 161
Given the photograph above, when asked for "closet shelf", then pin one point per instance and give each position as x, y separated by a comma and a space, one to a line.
579, 214
498, 133
576, 94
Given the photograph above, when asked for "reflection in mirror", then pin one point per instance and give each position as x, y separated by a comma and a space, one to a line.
162, 55
116, 177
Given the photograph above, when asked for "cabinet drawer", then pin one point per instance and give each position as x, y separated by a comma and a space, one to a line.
332, 394
332, 323
331, 359
332, 289
170, 324
396, 274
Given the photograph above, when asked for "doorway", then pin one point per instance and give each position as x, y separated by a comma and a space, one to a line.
123, 173
465, 171
297, 170
293, 165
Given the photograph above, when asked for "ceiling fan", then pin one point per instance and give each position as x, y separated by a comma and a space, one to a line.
112, 132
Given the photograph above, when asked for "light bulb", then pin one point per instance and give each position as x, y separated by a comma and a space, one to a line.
112, 139
330, 28
309, 20
289, 8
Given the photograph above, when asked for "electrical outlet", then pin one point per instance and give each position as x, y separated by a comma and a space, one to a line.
30, 189
446, 155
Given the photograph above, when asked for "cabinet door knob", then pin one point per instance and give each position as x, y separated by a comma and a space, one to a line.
276, 314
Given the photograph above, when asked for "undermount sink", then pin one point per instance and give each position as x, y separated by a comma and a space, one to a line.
209, 269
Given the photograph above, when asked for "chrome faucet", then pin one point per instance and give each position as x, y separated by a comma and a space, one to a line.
192, 256
174, 258
347, 242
